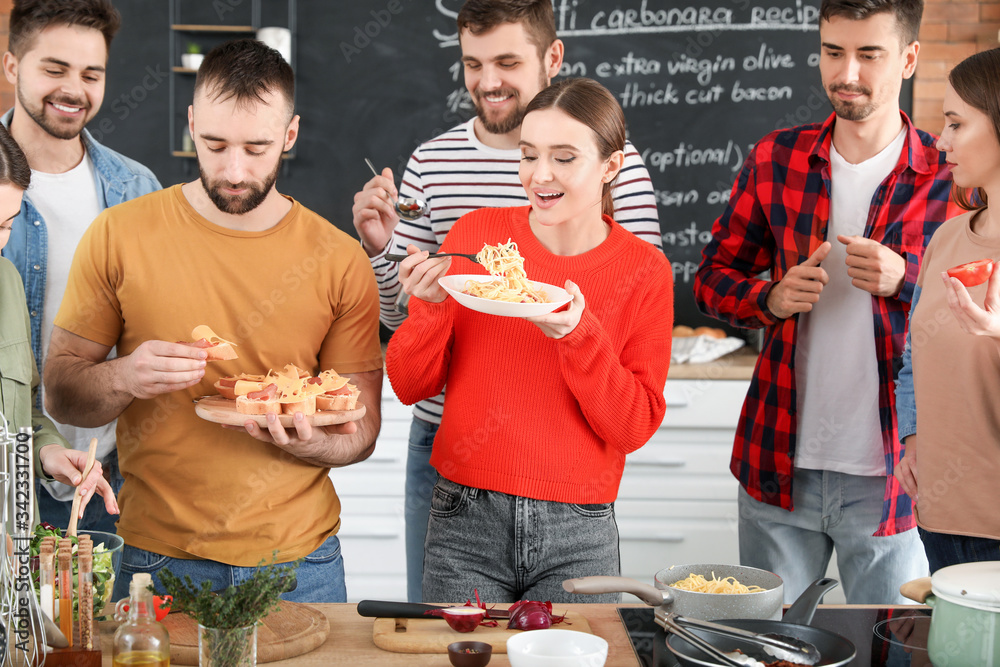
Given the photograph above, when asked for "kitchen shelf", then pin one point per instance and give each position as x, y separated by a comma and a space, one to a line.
191, 23
212, 28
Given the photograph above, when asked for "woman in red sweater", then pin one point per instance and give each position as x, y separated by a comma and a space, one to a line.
540, 411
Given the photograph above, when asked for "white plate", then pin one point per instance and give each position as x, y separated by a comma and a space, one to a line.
455, 285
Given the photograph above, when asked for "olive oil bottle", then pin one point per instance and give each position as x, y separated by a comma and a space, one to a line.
141, 640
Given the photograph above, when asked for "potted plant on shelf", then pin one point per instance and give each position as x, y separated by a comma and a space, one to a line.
191, 59
227, 621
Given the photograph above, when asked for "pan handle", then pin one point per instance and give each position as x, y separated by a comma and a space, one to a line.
652, 596
804, 607
917, 590
670, 624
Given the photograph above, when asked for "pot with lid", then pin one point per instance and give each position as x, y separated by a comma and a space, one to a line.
965, 621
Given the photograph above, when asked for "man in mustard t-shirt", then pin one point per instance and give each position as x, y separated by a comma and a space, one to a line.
229, 251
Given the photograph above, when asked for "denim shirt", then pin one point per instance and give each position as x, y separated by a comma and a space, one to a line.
119, 179
906, 401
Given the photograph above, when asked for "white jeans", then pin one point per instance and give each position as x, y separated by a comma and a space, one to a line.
832, 509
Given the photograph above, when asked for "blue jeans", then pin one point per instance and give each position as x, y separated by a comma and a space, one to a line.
320, 578
420, 479
513, 548
943, 549
95, 517
832, 509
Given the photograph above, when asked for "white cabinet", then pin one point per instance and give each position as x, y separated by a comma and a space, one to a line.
677, 500
676, 503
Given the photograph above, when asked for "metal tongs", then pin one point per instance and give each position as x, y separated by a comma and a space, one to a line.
782, 647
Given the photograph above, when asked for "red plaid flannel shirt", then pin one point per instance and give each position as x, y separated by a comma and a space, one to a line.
776, 217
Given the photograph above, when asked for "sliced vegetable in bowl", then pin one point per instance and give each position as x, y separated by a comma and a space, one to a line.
104, 570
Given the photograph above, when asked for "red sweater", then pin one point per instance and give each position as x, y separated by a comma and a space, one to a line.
528, 415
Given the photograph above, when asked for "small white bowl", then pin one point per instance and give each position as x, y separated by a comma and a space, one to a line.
556, 648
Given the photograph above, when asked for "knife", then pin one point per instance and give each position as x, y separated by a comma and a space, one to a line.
383, 609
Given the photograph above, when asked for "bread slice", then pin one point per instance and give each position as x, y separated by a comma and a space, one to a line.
306, 406
250, 406
224, 391
339, 401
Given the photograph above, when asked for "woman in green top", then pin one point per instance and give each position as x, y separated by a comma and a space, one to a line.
18, 375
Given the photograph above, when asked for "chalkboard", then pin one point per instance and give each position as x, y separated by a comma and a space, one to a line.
700, 82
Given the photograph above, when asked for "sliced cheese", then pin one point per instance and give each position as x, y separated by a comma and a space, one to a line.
205, 331
331, 381
290, 389
294, 372
244, 387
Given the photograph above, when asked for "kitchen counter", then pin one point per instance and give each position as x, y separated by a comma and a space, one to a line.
350, 641
736, 366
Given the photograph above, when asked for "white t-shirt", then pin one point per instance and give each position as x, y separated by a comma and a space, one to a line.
68, 203
836, 372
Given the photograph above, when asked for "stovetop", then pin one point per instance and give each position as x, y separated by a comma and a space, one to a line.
882, 637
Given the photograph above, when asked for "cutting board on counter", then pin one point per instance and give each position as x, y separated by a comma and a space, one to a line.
291, 631
432, 635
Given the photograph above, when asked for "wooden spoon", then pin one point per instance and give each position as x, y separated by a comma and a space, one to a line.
74, 515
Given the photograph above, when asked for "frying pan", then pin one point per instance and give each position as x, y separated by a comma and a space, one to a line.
766, 603
834, 649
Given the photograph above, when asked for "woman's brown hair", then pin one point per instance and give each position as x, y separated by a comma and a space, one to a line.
977, 81
592, 104
14, 167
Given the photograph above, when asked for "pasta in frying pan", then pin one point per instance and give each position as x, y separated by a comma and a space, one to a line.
696, 583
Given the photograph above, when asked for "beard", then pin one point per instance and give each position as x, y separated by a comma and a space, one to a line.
60, 128
242, 204
502, 124
851, 110
512, 120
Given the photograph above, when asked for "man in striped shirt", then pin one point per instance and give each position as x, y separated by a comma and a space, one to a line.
510, 53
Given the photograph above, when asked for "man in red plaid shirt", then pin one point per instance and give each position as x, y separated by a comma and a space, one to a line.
840, 214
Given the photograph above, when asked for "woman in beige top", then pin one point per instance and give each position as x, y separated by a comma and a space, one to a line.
948, 386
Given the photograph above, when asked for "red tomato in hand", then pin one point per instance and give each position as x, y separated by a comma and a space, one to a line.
973, 273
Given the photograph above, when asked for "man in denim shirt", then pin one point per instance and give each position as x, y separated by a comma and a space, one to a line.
56, 60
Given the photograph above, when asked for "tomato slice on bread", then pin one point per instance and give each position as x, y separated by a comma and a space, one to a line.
973, 273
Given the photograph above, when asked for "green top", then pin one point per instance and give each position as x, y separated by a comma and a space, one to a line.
18, 373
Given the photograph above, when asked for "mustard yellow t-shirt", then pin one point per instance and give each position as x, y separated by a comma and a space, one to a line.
302, 292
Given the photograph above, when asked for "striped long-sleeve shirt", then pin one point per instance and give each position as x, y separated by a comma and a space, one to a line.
455, 174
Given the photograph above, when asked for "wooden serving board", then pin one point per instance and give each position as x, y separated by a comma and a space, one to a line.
420, 635
223, 411
291, 631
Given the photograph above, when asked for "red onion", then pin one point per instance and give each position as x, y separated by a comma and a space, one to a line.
463, 619
529, 615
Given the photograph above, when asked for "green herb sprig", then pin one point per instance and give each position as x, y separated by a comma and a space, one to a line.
237, 606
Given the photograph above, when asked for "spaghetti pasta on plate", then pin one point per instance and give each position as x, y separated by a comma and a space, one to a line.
456, 285
504, 262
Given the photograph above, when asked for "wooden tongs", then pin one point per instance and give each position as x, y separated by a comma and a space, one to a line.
74, 515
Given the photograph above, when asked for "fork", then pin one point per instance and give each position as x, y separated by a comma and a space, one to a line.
399, 258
